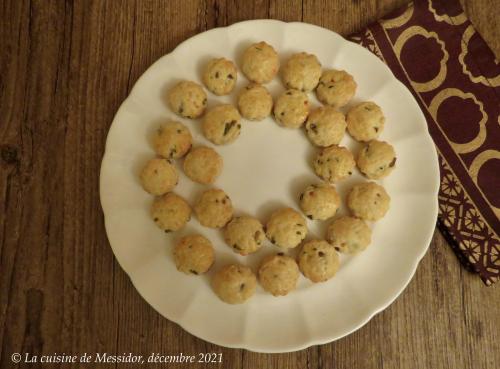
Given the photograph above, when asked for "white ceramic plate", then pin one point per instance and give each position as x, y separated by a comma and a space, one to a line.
265, 168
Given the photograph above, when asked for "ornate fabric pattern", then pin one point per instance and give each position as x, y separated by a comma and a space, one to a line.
433, 48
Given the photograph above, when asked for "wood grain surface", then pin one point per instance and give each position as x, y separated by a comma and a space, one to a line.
65, 68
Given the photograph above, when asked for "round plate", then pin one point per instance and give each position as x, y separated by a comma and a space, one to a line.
267, 167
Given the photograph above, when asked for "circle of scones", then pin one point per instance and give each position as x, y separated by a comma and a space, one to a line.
291, 109
203, 164
278, 274
214, 208
365, 121
170, 212
368, 201
221, 124
320, 201
349, 235
172, 140
260, 62
336, 88
220, 76
334, 163
376, 159
255, 102
187, 99
286, 228
244, 235
302, 72
318, 260
159, 176
325, 126
193, 254
234, 284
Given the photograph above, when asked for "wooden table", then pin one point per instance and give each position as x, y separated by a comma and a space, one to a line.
65, 68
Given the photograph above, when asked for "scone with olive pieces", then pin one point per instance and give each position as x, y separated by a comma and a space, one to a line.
260, 62
221, 124
234, 284
159, 176
220, 76
278, 274
365, 121
286, 228
255, 102
244, 235
214, 208
318, 261
376, 159
319, 201
193, 254
291, 109
334, 163
368, 201
349, 235
302, 72
170, 212
203, 165
187, 99
336, 88
325, 126
172, 140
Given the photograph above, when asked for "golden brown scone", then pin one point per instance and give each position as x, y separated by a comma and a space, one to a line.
286, 228
203, 165
278, 274
194, 254
234, 284
368, 201
187, 99
214, 208
220, 76
244, 235
170, 212
318, 260
159, 176
260, 62
172, 140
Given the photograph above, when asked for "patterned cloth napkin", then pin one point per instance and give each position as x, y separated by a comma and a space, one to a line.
433, 48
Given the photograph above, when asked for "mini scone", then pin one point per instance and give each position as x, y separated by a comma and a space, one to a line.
319, 201
170, 212
376, 159
286, 228
214, 208
221, 124
368, 201
172, 140
349, 235
220, 76
336, 88
291, 109
318, 261
255, 102
325, 126
234, 284
203, 165
193, 254
334, 163
302, 72
244, 235
365, 121
187, 99
159, 176
260, 62
278, 274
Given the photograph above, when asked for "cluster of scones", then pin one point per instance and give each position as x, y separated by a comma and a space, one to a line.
286, 228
